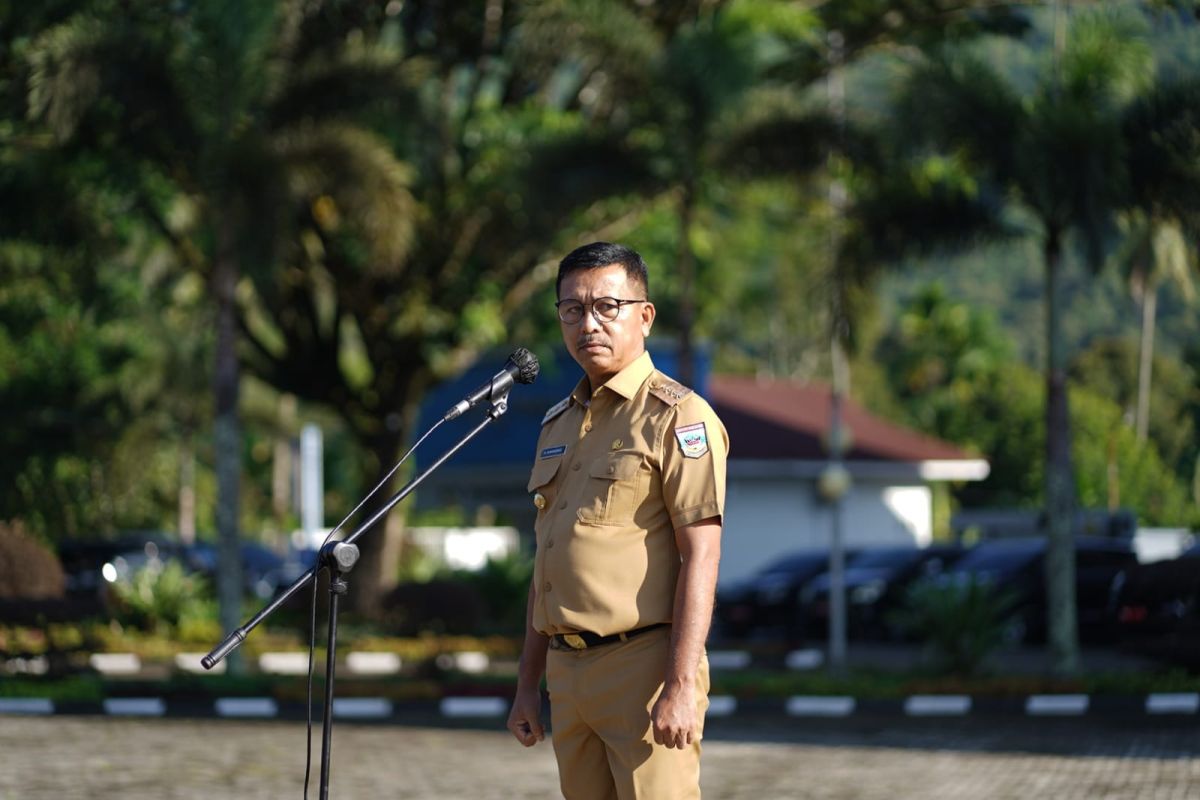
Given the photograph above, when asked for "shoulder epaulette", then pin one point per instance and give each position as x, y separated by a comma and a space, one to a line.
556, 409
669, 391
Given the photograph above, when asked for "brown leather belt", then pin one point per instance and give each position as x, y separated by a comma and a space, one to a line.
585, 639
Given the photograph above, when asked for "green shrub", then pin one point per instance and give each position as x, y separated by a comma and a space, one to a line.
961, 621
162, 598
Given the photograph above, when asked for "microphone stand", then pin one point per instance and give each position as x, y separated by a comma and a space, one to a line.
339, 557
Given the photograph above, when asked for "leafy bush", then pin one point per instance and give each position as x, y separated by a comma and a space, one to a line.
503, 584
162, 598
962, 621
442, 605
28, 569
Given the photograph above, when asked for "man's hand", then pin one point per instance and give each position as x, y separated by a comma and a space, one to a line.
525, 717
673, 718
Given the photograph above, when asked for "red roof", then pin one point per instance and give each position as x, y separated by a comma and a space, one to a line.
777, 419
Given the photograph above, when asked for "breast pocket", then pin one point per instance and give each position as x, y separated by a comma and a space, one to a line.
615, 485
542, 487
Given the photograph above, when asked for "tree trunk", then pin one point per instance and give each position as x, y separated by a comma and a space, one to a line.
1061, 623
227, 436
187, 491
381, 548
1146, 358
686, 266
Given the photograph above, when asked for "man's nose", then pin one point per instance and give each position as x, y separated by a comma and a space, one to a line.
589, 322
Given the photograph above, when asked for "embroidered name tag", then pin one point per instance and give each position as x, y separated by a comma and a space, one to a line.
551, 452
693, 440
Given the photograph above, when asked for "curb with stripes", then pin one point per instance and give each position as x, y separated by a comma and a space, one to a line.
1185, 704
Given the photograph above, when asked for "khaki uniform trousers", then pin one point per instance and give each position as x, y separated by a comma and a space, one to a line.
600, 701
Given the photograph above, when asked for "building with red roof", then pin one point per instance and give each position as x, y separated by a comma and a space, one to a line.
778, 432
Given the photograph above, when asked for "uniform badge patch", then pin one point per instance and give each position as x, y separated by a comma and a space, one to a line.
693, 439
551, 452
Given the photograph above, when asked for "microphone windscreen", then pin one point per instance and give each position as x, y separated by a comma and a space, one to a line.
526, 364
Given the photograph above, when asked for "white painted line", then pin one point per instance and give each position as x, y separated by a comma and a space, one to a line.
135, 707
190, 662
474, 707
805, 659
116, 663
362, 707
284, 663
469, 661
26, 705
728, 659
34, 665
1061, 705
937, 705
257, 707
811, 706
721, 706
366, 663
1173, 703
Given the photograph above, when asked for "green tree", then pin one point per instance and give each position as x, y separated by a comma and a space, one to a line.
193, 114
1058, 153
1162, 224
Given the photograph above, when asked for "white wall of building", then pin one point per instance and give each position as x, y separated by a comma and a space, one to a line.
765, 518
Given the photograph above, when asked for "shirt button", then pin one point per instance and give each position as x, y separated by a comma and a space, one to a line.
547, 587
563, 504
575, 466
539, 500
549, 543
611, 470
587, 427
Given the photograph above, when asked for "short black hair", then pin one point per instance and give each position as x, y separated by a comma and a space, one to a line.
603, 254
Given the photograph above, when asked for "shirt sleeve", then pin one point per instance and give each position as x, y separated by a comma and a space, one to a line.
695, 447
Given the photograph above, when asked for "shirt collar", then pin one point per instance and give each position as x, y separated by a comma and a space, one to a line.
626, 383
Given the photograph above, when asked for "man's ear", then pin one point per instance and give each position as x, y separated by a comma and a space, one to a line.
648, 314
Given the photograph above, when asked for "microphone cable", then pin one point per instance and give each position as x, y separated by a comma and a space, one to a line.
312, 630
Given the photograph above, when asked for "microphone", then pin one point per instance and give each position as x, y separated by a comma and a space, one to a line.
521, 367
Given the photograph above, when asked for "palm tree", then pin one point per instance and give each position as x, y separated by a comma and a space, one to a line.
196, 112
1162, 220
1057, 152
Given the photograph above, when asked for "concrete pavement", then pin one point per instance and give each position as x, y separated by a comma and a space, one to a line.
169, 759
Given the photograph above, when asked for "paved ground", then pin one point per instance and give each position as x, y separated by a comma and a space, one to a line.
165, 759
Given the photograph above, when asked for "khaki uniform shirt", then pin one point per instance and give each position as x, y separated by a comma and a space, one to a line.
613, 477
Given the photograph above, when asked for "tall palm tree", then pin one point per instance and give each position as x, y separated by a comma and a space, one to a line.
199, 114
1162, 219
1057, 152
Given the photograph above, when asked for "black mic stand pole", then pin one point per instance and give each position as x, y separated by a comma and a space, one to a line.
340, 557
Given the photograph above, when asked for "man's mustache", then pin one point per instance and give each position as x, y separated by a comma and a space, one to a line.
585, 341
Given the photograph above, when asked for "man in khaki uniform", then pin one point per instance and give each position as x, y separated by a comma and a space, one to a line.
629, 483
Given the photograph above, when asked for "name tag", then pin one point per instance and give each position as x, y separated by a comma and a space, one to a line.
551, 452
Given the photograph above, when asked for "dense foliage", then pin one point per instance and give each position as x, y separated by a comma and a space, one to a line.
213, 213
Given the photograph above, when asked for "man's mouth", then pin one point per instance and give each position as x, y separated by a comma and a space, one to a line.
592, 345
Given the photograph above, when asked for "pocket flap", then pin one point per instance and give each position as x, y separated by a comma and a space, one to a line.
617, 466
543, 472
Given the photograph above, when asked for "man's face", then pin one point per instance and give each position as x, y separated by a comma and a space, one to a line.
605, 348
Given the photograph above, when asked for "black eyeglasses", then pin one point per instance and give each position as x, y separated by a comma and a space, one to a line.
604, 309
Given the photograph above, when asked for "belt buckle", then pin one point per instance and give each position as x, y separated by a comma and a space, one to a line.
574, 640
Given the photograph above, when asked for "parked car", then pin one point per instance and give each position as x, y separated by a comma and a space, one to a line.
261, 566
90, 565
1158, 608
767, 602
1018, 565
875, 580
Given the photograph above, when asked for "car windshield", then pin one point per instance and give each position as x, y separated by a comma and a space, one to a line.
998, 557
796, 563
886, 557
